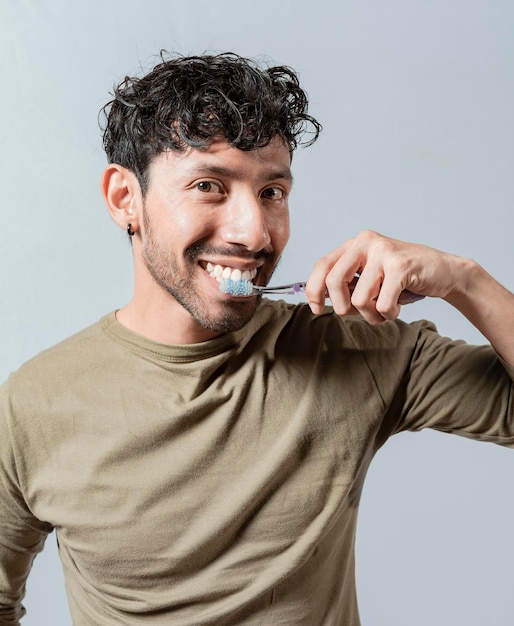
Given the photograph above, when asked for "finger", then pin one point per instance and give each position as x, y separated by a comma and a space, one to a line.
388, 301
316, 289
366, 293
341, 279
340, 290
341, 282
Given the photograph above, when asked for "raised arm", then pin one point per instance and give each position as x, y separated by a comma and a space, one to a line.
387, 266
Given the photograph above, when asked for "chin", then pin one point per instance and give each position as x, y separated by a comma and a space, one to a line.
234, 316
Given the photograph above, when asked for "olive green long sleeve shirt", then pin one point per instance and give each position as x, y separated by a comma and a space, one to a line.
219, 483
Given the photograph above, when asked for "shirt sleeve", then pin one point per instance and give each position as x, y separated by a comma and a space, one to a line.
22, 535
457, 388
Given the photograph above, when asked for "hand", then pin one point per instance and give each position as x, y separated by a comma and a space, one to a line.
386, 267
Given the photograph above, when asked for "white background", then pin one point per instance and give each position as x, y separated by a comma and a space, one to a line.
417, 101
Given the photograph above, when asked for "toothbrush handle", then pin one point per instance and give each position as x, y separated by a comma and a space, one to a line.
406, 296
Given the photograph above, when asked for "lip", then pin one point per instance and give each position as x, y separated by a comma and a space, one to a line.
235, 264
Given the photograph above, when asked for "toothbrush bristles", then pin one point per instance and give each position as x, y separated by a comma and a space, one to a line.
236, 287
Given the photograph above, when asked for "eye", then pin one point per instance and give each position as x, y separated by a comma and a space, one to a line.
273, 193
206, 186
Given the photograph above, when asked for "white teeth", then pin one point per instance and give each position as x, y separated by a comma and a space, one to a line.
224, 273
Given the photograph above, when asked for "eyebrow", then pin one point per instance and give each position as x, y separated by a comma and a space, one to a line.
218, 170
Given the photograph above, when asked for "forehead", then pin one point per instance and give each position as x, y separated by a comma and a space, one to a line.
270, 162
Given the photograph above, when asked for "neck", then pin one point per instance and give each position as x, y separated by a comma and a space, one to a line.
166, 322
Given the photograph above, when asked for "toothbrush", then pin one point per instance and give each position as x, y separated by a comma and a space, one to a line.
245, 288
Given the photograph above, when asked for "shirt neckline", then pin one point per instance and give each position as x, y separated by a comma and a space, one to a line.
168, 352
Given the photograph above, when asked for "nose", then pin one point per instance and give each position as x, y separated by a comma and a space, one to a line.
246, 224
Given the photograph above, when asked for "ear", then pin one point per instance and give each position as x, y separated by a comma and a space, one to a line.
122, 194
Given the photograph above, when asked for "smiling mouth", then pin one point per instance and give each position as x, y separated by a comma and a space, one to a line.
225, 272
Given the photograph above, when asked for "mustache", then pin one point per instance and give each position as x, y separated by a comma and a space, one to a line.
199, 249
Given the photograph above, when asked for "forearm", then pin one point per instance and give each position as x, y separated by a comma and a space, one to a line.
487, 305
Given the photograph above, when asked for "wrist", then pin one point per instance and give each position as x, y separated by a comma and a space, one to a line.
467, 278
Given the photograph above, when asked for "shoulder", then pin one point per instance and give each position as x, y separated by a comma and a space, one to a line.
300, 327
57, 362
300, 315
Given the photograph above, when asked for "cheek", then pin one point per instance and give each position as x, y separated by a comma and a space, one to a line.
185, 228
280, 229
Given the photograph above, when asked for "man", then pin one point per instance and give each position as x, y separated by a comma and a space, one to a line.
201, 456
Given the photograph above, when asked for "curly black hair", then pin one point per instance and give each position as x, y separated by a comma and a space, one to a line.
192, 101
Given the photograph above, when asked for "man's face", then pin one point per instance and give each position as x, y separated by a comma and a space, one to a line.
215, 208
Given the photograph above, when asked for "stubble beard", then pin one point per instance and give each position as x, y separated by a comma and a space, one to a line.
164, 268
